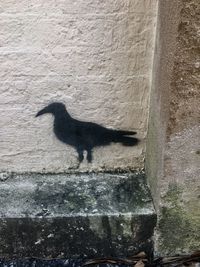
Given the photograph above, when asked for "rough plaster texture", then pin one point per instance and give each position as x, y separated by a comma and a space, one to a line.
175, 133
95, 56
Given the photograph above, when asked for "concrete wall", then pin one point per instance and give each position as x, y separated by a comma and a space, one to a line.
173, 144
95, 56
166, 34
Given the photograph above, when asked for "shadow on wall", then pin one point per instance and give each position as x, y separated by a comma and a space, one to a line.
84, 136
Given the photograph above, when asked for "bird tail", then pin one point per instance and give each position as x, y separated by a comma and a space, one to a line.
120, 137
121, 132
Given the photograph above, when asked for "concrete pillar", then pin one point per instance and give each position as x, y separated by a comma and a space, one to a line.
172, 160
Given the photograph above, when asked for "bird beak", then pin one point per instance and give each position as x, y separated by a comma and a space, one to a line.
41, 112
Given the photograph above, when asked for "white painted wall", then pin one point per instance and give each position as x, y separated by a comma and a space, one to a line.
93, 55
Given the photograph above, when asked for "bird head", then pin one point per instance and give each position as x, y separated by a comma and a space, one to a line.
53, 108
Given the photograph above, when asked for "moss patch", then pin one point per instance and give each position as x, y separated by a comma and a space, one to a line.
179, 228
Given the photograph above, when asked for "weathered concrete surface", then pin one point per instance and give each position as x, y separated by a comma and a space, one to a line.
95, 56
182, 158
175, 132
72, 216
166, 34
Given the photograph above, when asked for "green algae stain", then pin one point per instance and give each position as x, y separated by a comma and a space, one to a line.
179, 228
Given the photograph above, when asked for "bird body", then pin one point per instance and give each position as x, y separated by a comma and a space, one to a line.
84, 136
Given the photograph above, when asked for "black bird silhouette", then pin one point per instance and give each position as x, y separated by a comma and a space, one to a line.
84, 136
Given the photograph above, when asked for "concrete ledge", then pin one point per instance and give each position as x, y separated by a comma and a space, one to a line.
87, 215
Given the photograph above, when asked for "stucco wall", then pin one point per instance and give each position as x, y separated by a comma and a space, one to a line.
95, 56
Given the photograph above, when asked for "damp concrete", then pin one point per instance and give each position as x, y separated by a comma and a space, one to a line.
68, 215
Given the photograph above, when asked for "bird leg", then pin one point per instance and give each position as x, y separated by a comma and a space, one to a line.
89, 155
80, 155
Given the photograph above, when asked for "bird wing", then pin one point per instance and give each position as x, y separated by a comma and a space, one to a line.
89, 134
